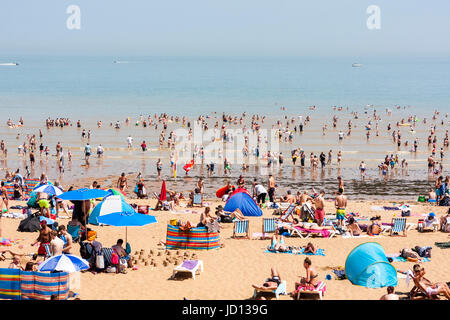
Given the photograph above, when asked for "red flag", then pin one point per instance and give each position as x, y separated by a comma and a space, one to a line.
162, 196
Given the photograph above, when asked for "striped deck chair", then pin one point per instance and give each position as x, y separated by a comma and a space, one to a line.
288, 212
10, 284
316, 293
107, 255
281, 289
268, 226
198, 200
41, 285
398, 226
48, 251
241, 227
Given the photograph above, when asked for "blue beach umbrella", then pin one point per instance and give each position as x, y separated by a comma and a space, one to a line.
64, 262
49, 189
83, 194
126, 219
123, 219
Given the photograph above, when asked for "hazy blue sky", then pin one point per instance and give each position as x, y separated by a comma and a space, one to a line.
226, 27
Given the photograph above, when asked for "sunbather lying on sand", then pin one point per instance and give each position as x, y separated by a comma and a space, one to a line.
271, 283
278, 244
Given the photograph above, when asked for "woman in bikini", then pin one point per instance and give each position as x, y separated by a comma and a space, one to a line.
311, 276
353, 227
122, 183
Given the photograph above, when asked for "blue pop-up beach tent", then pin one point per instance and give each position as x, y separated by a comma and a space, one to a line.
368, 266
243, 202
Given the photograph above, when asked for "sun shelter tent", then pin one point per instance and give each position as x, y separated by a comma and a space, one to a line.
368, 266
244, 202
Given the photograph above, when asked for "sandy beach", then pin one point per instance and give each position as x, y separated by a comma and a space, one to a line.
230, 271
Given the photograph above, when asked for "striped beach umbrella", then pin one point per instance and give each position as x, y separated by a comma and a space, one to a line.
49, 189
110, 204
64, 262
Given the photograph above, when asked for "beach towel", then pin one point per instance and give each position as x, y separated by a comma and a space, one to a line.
41, 285
324, 233
10, 284
442, 245
397, 258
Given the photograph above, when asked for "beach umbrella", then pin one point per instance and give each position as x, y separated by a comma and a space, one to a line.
110, 204
84, 194
49, 189
64, 262
116, 192
163, 195
126, 219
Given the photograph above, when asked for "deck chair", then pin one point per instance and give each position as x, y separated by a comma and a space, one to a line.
268, 226
107, 255
288, 212
398, 226
197, 200
48, 251
316, 293
191, 266
281, 289
241, 227
75, 232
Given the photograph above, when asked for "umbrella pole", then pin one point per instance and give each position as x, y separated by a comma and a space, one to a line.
126, 236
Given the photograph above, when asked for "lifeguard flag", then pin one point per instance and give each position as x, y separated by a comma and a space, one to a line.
188, 166
162, 196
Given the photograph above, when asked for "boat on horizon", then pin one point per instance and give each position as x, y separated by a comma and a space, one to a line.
9, 64
356, 65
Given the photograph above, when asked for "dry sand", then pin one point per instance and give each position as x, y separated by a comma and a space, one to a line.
230, 271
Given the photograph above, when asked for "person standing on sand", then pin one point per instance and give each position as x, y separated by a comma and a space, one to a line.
341, 183
340, 204
271, 188
320, 208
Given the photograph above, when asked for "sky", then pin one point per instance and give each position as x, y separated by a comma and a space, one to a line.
226, 28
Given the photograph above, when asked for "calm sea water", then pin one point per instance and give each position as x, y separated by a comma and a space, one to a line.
94, 88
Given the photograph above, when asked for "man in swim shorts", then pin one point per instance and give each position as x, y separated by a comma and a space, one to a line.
340, 204
320, 211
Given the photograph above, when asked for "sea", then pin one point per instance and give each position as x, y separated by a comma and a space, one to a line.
109, 88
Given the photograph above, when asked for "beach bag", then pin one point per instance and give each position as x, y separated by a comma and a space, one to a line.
226, 219
421, 199
100, 261
115, 258
85, 250
406, 213
173, 222
111, 269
